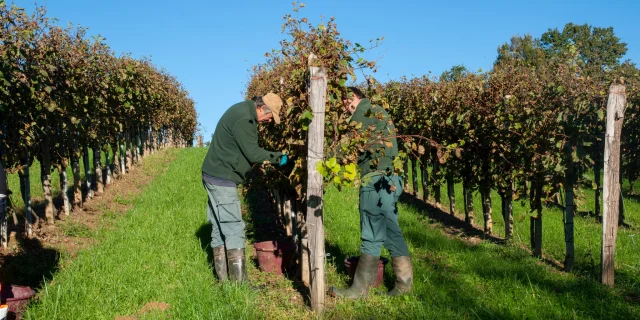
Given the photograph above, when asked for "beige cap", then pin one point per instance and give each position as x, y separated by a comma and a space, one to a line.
274, 103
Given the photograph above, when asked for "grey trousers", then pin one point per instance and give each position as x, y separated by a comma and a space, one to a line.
225, 215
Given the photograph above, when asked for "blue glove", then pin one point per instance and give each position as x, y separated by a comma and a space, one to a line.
283, 160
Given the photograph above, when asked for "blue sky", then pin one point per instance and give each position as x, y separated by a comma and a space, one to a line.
211, 45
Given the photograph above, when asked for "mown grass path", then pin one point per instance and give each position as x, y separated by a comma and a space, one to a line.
151, 264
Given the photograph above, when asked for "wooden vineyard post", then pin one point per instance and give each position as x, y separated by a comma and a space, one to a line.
424, 161
451, 193
405, 167
303, 242
3, 214
570, 209
122, 145
97, 169
278, 204
287, 215
26, 196
414, 176
611, 183
107, 166
436, 175
315, 223
87, 172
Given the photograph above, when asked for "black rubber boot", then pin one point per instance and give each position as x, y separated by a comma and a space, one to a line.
236, 263
404, 275
366, 273
220, 263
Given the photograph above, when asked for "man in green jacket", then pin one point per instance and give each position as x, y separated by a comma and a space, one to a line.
378, 197
233, 150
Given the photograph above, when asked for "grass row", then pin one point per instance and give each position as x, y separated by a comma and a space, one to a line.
156, 254
587, 232
36, 185
457, 279
151, 256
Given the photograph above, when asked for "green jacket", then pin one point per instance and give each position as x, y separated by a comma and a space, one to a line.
234, 146
378, 157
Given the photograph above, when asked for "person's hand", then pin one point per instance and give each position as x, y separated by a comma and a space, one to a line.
283, 160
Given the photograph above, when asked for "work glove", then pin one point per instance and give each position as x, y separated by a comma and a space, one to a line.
283, 160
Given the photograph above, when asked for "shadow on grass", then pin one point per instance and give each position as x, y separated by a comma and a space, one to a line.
263, 224
517, 269
32, 266
204, 235
447, 219
460, 226
334, 251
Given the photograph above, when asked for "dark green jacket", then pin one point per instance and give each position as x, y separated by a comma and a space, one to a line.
378, 157
234, 146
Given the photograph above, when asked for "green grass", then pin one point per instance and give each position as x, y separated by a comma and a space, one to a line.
456, 279
587, 232
155, 253
36, 185
151, 254
75, 229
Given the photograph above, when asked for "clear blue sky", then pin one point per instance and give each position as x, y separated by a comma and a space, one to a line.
210, 45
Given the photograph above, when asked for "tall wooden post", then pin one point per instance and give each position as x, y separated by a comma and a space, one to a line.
414, 176
87, 172
611, 187
315, 223
288, 222
570, 208
26, 196
109, 162
424, 161
3, 211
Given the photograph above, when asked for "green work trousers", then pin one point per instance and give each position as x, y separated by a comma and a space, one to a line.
225, 215
379, 217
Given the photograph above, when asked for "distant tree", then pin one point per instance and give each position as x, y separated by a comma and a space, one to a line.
455, 73
598, 49
526, 49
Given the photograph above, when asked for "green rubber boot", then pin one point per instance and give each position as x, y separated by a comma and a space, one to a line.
236, 264
404, 275
220, 263
363, 279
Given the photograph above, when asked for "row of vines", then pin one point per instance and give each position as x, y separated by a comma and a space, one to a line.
63, 94
532, 128
526, 132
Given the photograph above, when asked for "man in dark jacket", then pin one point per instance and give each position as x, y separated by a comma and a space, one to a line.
233, 150
378, 197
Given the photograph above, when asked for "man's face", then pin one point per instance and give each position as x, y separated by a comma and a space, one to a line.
350, 103
263, 116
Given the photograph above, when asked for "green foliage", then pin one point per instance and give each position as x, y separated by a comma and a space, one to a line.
285, 72
599, 49
455, 73
525, 49
340, 175
62, 91
509, 125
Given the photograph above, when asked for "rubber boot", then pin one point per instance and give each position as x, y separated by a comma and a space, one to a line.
363, 279
220, 263
404, 275
236, 264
